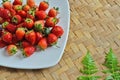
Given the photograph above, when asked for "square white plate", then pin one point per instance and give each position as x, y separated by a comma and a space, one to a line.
49, 57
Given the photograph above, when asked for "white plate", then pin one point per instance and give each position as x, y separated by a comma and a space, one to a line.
49, 57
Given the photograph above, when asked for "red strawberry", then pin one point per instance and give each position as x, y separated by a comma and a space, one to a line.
31, 3
14, 39
58, 31
28, 23
31, 13
26, 7
17, 7
53, 12
43, 5
31, 37
42, 44
22, 13
7, 4
17, 2
38, 37
41, 15
10, 27
16, 19
20, 25
2, 43
4, 13
28, 51
1, 31
20, 32
1, 20
25, 44
52, 39
51, 22
7, 37
12, 12
39, 25
12, 49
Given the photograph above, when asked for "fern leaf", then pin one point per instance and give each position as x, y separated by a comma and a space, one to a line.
111, 61
89, 66
88, 78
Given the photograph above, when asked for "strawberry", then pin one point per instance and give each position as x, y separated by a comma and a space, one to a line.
1, 31
10, 27
31, 13
17, 7
6, 4
41, 15
2, 43
43, 5
26, 7
12, 49
31, 3
28, 23
25, 44
7, 37
38, 37
16, 19
30, 36
14, 39
22, 13
17, 2
20, 25
1, 20
4, 13
52, 39
12, 12
39, 25
42, 44
58, 31
28, 51
53, 12
51, 22
20, 33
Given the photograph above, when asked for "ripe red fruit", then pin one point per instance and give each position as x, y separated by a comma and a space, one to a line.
42, 44
12, 49
16, 19
25, 44
52, 39
51, 21
6, 4
53, 12
17, 7
14, 39
30, 36
12, 12
2, 43
20, 32
39, 36
39, 25
26, 7
22, 13
41, 15
43, 5
7, 37
58, 31
4, 13
28, 51
17, 2
31, 3
28, 23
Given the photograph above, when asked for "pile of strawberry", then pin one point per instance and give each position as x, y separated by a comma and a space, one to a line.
28, 26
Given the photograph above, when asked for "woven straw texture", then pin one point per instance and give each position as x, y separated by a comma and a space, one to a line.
95, 26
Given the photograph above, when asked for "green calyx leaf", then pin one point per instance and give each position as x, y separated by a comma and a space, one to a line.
28, 20
14, 20
46, 31
3, 1
56, 8
13, 50
38, 27
19, 7
5, 24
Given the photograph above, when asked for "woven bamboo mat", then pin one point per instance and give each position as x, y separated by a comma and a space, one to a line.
95, 26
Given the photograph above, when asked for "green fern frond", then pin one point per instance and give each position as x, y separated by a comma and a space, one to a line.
88, 78
89, 66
